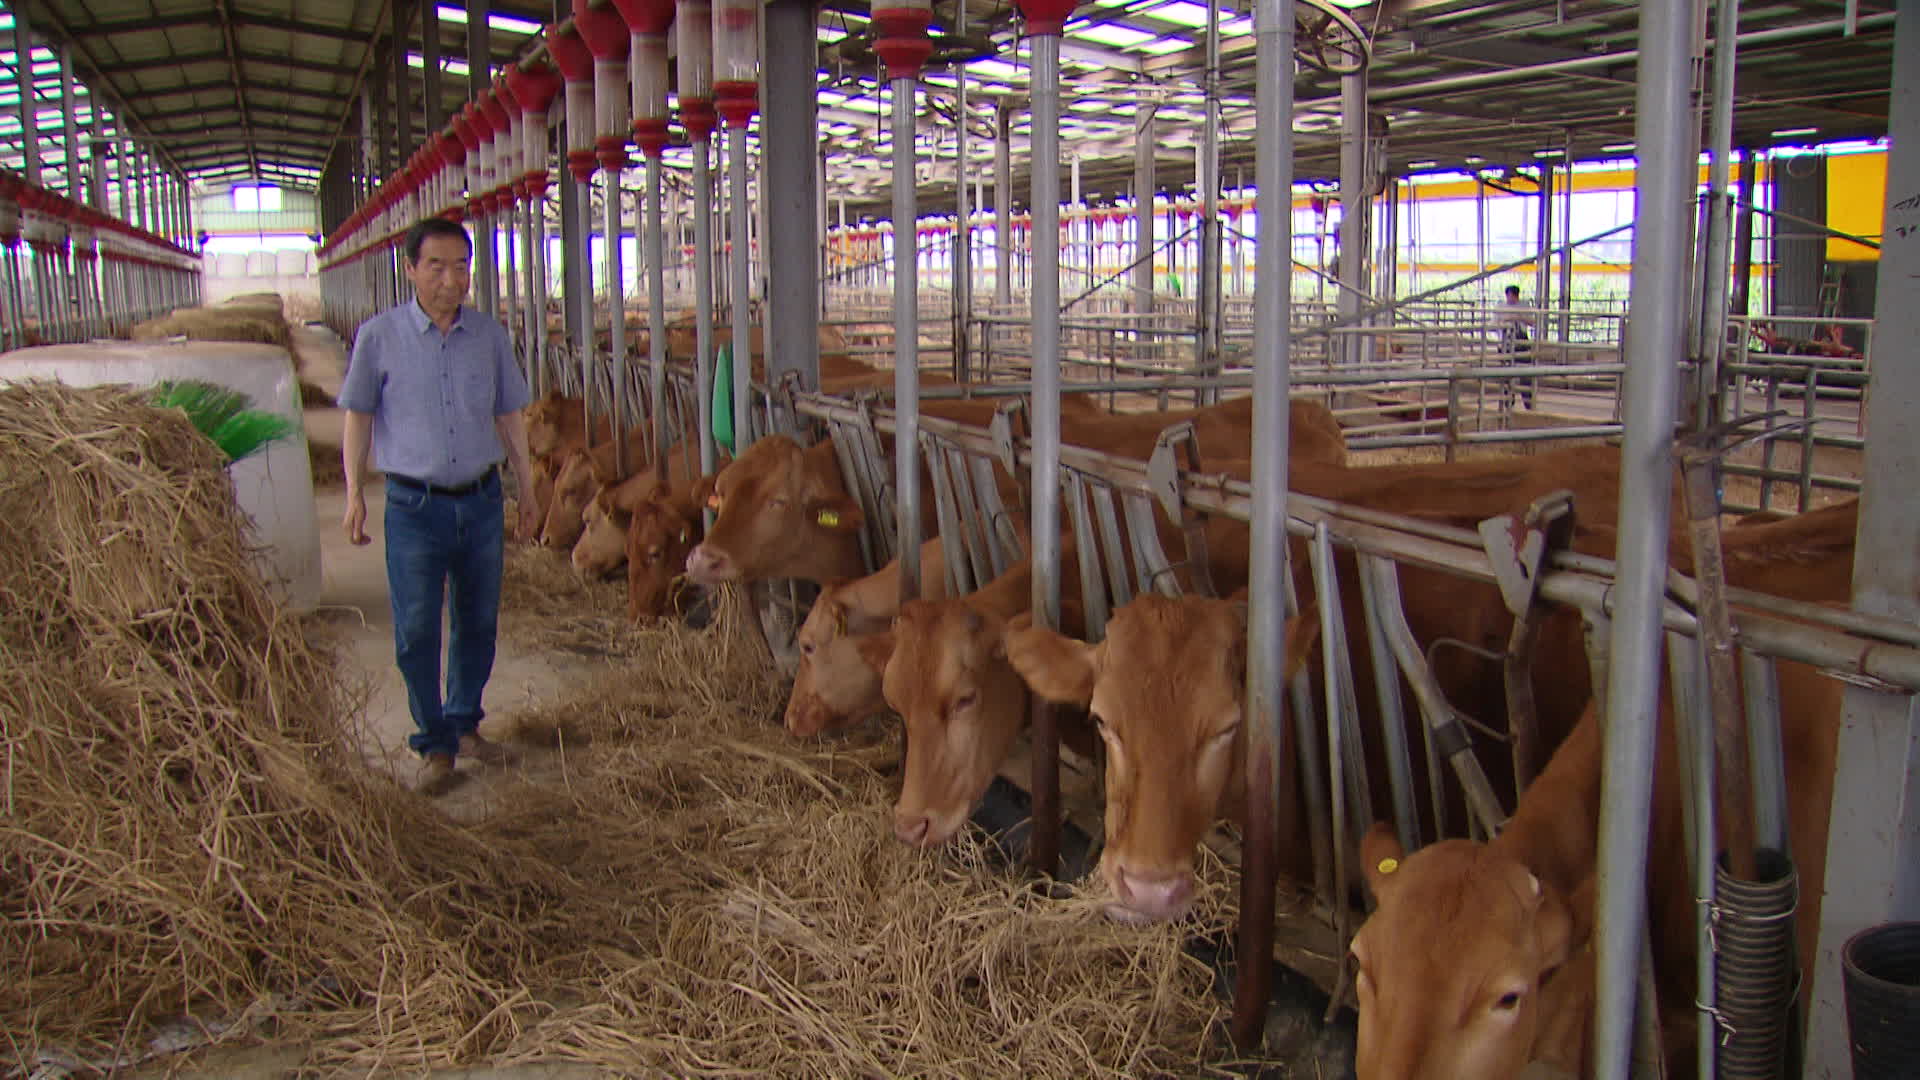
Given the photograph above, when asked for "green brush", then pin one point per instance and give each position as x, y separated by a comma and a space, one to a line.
225, 416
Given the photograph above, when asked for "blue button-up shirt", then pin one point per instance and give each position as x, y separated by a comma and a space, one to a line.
434, 396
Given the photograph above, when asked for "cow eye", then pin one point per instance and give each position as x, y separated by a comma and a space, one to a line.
965, 701
1224, 733
778, 501
806, 648
1508, 1002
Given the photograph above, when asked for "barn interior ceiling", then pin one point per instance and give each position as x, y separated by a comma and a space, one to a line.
257, 88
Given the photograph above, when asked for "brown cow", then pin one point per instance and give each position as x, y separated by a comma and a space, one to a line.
602, 546
582, 475
660, 533
1165, 689
558, 424
780, 511
943, 668
760, 534
834, 685
1461, 964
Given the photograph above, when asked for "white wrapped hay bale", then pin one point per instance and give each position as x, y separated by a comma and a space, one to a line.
274, 487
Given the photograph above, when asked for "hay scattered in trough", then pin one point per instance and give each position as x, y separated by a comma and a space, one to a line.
187, 830
217, 324
543, 603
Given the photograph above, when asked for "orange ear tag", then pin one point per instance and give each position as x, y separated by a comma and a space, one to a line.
713, 503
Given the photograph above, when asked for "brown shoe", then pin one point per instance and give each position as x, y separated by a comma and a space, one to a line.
484, 752
437, 775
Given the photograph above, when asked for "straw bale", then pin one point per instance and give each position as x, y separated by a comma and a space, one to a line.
189, 829
269, 302
216, 324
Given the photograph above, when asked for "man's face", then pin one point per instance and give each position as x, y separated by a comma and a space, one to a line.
442, 274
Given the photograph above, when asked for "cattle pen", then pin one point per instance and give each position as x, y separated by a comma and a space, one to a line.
1109, 575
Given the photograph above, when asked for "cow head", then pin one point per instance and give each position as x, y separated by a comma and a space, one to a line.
780, 512
835, 685
1165, 689
602, 547
944, 669
1457, 963
573, 489
660, 533
548, 419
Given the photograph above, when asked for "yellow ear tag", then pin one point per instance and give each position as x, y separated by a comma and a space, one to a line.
683, 536
1388, 865
829, 518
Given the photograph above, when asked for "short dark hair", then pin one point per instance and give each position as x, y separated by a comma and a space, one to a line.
434, 226
1513, 290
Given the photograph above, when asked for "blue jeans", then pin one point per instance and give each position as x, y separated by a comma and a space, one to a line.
454, 545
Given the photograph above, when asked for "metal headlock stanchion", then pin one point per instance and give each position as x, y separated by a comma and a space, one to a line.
1045, 19
605, 33
575, 61
1267, 561
649, 21
736, 88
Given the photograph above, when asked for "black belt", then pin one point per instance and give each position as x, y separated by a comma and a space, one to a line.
436, 489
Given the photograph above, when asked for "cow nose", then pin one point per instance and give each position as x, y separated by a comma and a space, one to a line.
1154, 894
804, 717
706, 565
911, 829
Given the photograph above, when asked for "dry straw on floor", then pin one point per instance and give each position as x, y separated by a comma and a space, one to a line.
678, 888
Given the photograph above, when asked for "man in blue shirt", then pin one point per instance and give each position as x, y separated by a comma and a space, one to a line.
434, 391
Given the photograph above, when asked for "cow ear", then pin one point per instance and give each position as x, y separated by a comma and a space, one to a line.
1303, 631
1058, 668
836, 514
603, 471
1380, 857
876, 650
1554, 925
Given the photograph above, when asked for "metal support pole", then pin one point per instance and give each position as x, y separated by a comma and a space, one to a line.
703, 296
1145, 147
24, 107
1663, 188
615, 278
963, 229
656, 319
534, 240
790, 188
479, 81
740, 286
1743, 234
1045, 486
403, 142
1207, 301
1267, 564
1354, 205
1543, 266
1566, 240
1003, 205
432, 104
1873, 842
906, 341
1711, 345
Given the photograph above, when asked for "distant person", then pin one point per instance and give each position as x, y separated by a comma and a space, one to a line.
1513, 320
433, 387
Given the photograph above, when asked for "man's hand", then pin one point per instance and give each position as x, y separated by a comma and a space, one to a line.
529, 524
355, 523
